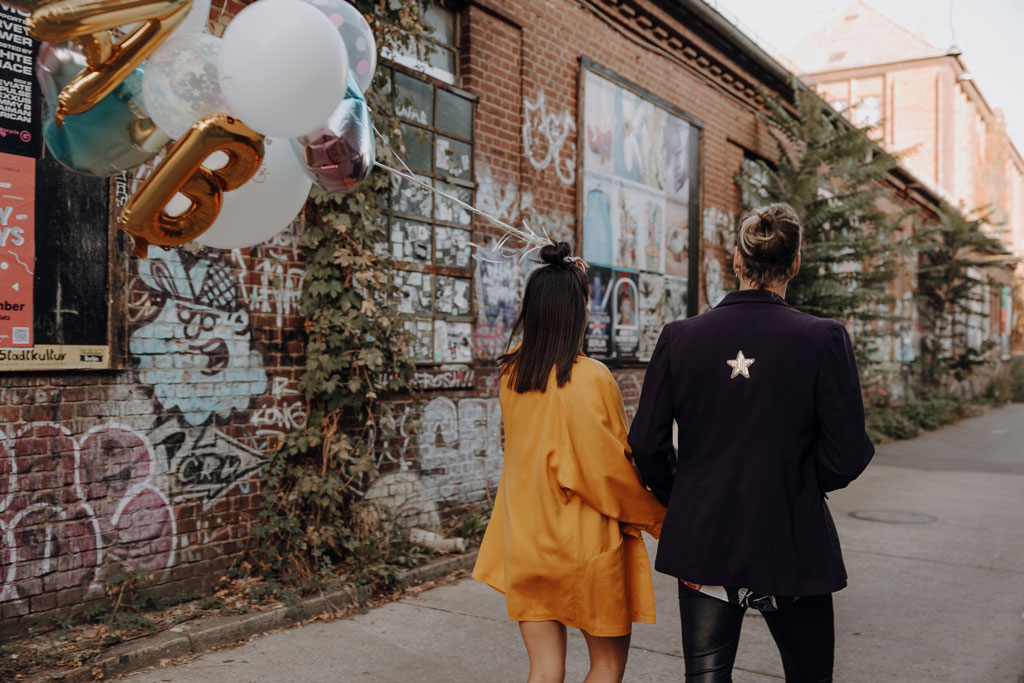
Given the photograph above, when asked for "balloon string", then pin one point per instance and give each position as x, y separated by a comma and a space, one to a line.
468, 207
527, 235
388, 147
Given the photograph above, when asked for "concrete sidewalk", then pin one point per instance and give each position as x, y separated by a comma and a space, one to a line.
934, 601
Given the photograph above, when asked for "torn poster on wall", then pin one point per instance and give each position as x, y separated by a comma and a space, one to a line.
599, 330
497, 296
625, 314
652, 305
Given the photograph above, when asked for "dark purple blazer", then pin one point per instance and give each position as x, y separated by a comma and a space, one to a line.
746, 491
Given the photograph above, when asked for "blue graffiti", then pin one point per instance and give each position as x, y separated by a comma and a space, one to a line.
196, 352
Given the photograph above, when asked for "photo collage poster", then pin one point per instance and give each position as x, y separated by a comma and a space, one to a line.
636, 186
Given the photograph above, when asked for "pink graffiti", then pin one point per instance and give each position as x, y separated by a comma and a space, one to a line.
73, 512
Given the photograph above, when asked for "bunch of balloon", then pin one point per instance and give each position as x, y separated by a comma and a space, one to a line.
123, 78
296, 71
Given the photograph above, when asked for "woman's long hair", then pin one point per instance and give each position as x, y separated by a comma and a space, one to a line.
553, 320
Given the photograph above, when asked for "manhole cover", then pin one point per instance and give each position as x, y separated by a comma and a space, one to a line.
894, 516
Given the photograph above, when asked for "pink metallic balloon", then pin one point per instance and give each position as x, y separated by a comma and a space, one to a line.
339, 155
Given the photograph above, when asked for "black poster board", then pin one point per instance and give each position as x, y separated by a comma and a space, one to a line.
72, 256
20, 97
71, 289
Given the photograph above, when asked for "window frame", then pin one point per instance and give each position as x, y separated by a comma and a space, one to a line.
436, 175
420, 63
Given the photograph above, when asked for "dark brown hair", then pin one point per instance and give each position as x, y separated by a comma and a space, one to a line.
553, 321
769, 242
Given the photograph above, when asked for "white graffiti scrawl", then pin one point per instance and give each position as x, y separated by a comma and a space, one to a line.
280, 277
460, 447
196, 352
544, 137
503, 200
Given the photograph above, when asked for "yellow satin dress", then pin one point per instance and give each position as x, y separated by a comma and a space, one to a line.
563, 542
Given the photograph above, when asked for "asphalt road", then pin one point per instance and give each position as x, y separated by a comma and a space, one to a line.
938, 600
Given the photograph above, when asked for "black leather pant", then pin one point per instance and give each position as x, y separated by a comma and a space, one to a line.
803, 631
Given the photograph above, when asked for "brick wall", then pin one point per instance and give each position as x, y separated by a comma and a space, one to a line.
153, 465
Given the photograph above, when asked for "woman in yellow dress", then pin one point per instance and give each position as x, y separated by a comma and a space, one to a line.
563, 543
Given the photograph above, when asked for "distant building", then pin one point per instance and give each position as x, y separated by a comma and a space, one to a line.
925, 104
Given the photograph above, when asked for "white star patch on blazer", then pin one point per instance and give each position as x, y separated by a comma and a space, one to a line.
740, 365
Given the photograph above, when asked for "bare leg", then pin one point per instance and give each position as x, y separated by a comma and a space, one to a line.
607, 658
545, 644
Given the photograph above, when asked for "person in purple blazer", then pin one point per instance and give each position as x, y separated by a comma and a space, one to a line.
771, 418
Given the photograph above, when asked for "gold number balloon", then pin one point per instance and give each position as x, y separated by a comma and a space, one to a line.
145, 216
89, 22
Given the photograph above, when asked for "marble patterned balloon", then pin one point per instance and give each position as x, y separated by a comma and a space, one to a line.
181, 83
358, 37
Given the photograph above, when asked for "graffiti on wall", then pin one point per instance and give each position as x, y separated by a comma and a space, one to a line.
201, 463
545, 138
497, 298
450, 376
720, 240
280, 280
74, 507
499, 280
70, 507
460, 447
283, 412
452, 449
197, 352
503, 199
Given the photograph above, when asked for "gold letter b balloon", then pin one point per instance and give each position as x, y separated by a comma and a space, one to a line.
89, 22
144, 216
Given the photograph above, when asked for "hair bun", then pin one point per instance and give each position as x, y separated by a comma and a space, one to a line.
554, 254
769, 241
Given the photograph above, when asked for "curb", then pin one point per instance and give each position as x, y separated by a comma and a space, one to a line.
208, 632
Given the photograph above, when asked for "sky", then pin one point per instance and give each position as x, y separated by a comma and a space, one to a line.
987, 32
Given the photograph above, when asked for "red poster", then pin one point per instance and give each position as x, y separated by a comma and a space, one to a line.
17, 249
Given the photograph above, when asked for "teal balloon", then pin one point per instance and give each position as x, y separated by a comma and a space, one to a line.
114, 136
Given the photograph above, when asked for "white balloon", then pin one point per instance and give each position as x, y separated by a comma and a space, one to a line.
196, 19
265, 205
283, 67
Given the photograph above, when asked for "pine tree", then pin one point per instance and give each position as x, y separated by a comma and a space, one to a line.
832, 174
954, 255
